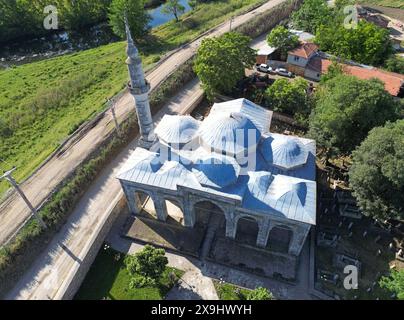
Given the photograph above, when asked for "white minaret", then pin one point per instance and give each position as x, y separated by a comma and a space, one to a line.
139, 88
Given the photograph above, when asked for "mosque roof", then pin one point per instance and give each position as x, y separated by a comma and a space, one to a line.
231, 133
177, 129
278, 179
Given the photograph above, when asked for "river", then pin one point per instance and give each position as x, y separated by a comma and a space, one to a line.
64, 42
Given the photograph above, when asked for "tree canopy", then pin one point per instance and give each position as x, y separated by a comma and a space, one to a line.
281, 38
311, 15
367, 43
260, 293
289, 97
148, 263
394, 283
221, 61
22, 18
173, 7
346, 109
377, 173
138, 18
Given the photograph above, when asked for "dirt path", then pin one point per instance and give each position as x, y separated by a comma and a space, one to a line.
13, 212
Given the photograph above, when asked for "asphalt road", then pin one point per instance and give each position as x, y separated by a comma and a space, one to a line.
13, 212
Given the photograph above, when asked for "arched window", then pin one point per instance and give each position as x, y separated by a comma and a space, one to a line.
280, 238
247, 230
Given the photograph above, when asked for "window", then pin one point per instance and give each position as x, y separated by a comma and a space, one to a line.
296, 58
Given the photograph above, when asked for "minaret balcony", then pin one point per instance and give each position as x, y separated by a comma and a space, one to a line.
136, 91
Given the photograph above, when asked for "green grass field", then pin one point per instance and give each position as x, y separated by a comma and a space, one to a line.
43, 102
109, 279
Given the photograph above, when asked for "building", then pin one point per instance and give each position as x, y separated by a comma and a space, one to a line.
230, 160
299, 58
307, 61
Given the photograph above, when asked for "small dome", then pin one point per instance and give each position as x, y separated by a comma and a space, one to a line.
216, 171
284, 152
230, 133
176, 129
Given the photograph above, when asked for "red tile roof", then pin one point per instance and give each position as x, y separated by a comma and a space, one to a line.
392, 81
305, 50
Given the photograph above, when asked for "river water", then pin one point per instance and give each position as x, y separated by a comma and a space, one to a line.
67, 42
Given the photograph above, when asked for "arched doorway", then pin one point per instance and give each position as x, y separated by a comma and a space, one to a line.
279, 239
174, 210
207, 212
145, 204
247, 230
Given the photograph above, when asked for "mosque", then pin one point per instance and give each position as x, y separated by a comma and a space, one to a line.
230, 159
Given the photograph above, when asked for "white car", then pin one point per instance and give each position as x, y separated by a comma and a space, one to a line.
264, 68
284, 72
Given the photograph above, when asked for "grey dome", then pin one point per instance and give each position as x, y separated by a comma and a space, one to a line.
229, 133
284, 152
176, 129
216, 171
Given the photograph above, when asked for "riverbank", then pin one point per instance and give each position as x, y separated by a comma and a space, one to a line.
43, 102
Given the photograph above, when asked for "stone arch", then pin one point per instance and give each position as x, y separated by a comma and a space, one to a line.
175, 209
247, 229
280, 238
205, 208
145, 202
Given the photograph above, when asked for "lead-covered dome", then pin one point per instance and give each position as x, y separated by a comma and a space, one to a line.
176, 129
216, 171
284, 152
229, 134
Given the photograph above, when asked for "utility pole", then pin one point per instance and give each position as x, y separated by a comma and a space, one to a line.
112, 108
7, 175
231, 21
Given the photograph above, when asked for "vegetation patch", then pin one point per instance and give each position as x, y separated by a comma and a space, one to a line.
109, 278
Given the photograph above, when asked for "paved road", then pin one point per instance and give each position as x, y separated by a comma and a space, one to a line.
13, 212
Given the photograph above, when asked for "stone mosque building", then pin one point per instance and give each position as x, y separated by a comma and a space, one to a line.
230, 159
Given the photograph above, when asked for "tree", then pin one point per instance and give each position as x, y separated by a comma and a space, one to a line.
173, 7
367, 43
394, 283
377, 173
147, 266
260, 293
138, 18
311, 15
289, 97
395, 64
335, 69
346, 109
221, 61
281, 38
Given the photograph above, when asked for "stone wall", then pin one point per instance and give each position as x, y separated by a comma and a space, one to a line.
77, 274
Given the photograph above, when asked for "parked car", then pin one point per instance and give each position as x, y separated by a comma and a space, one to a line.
264, 68
284, 72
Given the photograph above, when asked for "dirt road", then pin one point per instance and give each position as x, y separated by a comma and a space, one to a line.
13, 212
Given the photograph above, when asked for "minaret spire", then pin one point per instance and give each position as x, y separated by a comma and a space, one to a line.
139, 88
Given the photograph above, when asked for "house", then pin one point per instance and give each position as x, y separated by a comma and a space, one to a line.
299, 58
265, 53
